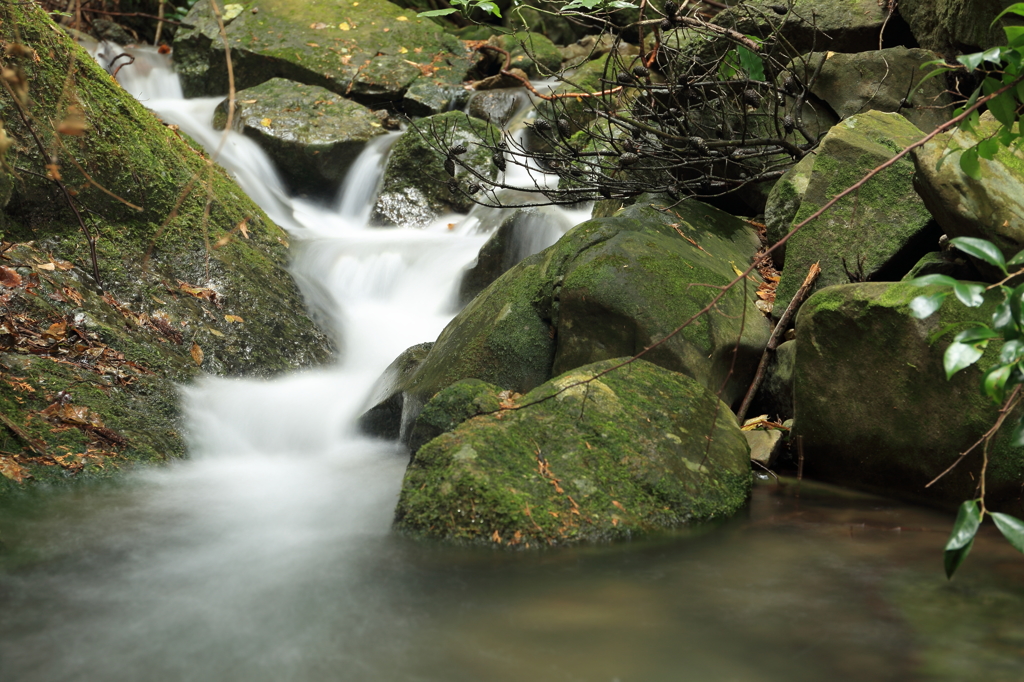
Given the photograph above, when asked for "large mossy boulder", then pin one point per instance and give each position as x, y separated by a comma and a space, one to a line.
636, 450
991, 207
873, 406
879, 80
311, 134
415, 190
534, 53
183, 288
878, 232
371, 51
611, 287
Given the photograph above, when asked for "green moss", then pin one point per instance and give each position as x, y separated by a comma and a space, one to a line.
596, 462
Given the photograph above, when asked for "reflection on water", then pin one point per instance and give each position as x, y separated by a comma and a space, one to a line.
174, 575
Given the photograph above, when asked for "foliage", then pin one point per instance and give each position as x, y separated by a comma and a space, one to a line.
1000, 382
465, 7
1001, 72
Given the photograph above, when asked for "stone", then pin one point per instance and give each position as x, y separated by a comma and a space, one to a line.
953, 27
990, 208
876, 233
783, 203
880, 80
775, 397
371, 52
523, 233
587, 48
384, 419
414, 191
462, 400
311, 134
427, 97
533, 53
625, 454
874, 408
496, 106
764, 445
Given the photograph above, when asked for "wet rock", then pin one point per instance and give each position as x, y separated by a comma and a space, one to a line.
533, 53
104, 29
371, 52
764, 446
426, 97
880, 80
522, 234
312, 134
495, 106
611, 287
879, 232
413, 190
384, 419
874, 408
990, 208
775, 398
585, 463
461, 401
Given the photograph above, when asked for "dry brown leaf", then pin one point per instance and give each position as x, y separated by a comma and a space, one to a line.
197, 353
49, 267
234, 318
8, 277
198, 292
242, 228
12, 470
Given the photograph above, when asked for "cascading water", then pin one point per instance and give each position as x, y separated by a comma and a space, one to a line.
267, 555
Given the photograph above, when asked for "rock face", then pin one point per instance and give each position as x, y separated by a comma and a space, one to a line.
955, 26
624, 454
413, 191
991, 208
311, 134
608, 288
881, 80
873, 405
190, 308
880, 231
384, 419
371, 52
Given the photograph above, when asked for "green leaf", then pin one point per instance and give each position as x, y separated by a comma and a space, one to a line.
1017, 435
959, 356
968, 518
988, 148
1014, 35
980, 248
994, 382
974, 334
1012, 529
1002, 320
1017, 260
1004, 108
971, 294
923, 306
941, 280
1011, 351
952, 558
438, 12
969, 162
1016, 8
751, 63
971, 61
489, 7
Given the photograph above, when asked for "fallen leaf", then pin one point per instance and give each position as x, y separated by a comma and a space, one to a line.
234, 318
197, 353
8, 277
63, 265
343, 26
312, 45
243, 229
319, 26
57, 331
49, 267
402, 18
231, 11
12, 470
53, 171
618, 504
249, 101
402, 50
265, 122
215, 332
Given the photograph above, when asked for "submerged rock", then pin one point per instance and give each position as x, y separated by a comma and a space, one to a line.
637, 450
312, 135
371, 51
878, 232
873, 406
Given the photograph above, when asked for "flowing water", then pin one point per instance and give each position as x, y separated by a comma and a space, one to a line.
267, 555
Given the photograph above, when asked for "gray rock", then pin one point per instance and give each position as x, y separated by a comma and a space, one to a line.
384, 419
764, 445
874, 408
312, 134
495, 106
426, 97
952, 27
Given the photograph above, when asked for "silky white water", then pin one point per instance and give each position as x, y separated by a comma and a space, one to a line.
267, 555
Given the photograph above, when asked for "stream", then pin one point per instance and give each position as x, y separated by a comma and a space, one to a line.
268, 554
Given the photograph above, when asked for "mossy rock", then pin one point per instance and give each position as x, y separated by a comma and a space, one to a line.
989, 208
878, 232
637, 450
593, 76
873, 406
461, 401
384, 419
177, 274
414, 190
532, 52
310, 133
610, 287
953, 27
372, 51
427, 97
784, 201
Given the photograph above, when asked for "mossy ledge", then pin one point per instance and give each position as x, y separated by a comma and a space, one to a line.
211, 297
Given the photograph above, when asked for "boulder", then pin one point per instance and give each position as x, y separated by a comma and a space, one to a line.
874, 409
462, 400
952, 27
532, 52
990, 208
312, 134
496, 106
876, 233
624, 454
371, 52
880, 80
167, 308
775, 397
384, 419
588, 47
783, 203
427, 97
611, 287
523, 233
413, 191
